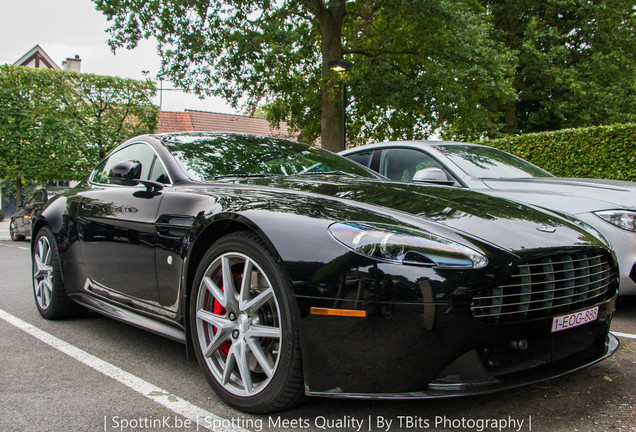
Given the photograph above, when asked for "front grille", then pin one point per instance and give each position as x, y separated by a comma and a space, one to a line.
548, 286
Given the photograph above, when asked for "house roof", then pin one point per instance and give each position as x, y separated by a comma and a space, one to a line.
174, 122
37, 57
191, 120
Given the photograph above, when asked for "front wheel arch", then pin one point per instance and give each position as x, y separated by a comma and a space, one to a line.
204, 239
287, 387
36, 228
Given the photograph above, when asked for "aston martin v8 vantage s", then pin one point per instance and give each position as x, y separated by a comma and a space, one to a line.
287, 270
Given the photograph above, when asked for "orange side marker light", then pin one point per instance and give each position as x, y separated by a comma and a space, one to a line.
339, 312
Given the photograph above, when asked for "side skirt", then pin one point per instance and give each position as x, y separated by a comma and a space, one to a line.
130, 317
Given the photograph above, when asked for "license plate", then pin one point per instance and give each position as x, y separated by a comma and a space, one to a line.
575, 319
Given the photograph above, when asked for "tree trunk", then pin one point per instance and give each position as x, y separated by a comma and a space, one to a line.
330, 19
507, 16
510, 112
18, 192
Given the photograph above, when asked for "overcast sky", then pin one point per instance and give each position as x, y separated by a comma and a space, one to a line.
64, 28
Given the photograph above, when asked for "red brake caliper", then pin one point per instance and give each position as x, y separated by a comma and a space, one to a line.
217, 309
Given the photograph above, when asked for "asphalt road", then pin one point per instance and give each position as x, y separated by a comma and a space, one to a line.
96, 374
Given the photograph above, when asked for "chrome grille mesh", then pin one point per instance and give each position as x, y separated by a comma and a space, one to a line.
548, 286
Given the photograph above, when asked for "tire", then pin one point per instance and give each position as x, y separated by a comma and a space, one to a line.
246, 341
13, 231
48, 286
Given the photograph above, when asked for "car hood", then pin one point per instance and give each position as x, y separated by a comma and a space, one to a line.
506, 224
568, 195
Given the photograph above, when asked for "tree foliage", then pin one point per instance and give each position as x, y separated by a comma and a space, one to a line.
465, 68
109, 110
576, 62
31, 124
56, 125
417, 66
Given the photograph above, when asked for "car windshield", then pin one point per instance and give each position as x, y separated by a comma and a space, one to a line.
488, 162
208, 156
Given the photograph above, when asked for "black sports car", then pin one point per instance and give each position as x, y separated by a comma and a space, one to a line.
287, 270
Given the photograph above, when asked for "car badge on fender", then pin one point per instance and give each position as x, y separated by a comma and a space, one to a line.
546, 228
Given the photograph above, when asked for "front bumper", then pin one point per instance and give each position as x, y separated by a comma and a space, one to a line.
420, 339
439, 390
401, 352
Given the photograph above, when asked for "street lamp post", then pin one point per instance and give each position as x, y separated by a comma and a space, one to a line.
342, 66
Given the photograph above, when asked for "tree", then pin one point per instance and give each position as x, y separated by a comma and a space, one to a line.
576, 62
56, 125
108, 111
32, 124
417, 65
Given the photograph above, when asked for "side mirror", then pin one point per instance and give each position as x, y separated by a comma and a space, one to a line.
432, 175
125, 173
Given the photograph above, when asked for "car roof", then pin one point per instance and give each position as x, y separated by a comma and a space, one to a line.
409, 143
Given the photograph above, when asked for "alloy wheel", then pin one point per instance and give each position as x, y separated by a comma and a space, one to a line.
238, 324
42, 272
13, 231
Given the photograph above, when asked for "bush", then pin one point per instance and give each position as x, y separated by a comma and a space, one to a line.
1, 215
596, 152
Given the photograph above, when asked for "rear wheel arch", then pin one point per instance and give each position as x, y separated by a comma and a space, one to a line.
48, 284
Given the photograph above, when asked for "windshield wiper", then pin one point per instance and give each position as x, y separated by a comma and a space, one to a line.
245, 175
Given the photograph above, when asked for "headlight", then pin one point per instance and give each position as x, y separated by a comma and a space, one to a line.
624, 219
395, 244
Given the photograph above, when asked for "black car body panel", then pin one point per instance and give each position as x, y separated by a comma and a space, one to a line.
132, 252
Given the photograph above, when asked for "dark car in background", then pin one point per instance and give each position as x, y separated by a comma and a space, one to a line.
20, 223
607, 205
287, 270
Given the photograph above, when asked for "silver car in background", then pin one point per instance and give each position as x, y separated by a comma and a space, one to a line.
607, 205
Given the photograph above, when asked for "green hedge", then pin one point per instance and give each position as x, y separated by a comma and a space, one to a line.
596, 152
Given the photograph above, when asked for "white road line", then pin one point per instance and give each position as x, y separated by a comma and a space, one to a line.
203, 418
15, 247
625, 335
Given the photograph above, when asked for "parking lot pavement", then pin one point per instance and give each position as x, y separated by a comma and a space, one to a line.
44, 386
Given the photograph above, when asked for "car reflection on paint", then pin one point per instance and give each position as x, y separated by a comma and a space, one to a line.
20, 222
289, 271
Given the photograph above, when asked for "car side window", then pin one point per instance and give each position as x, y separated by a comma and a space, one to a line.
363, 158
38, 197
137, 152
401, 164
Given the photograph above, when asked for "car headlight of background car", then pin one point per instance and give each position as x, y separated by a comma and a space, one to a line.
624, 219
404, 246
